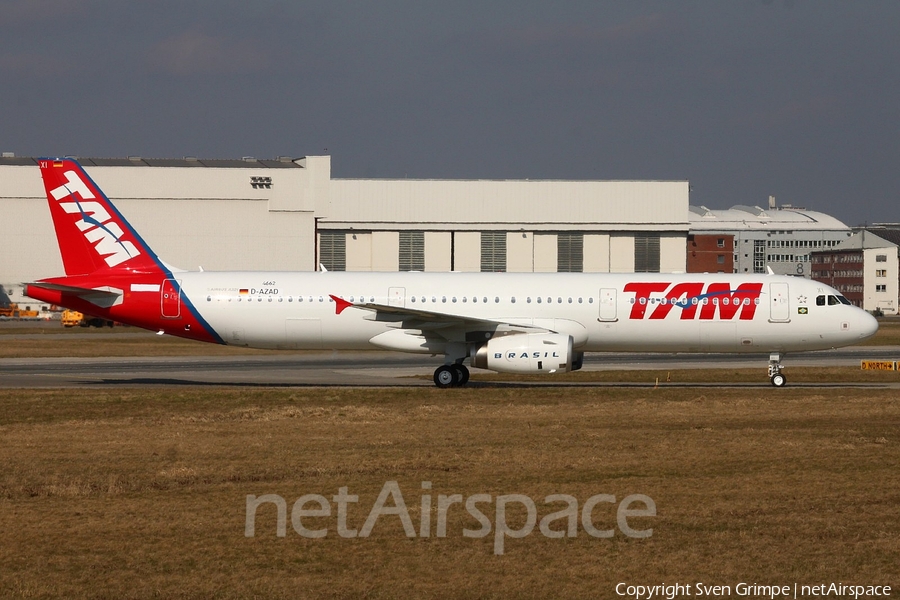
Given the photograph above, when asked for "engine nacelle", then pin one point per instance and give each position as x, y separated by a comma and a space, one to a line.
528, 353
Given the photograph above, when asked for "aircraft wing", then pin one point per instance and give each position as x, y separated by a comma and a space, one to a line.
427, 320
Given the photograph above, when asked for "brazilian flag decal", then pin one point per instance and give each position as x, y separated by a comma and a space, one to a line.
802, 310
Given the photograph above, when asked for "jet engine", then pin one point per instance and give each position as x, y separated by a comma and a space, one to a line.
528, 353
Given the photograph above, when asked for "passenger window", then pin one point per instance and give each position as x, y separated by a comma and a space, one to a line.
290, 298
539, 300
496, 299
820, 300
513, 299
413, 298
528, 300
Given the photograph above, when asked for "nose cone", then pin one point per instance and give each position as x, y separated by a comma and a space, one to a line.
866, 326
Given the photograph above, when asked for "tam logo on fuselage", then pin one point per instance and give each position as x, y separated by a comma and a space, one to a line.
717, 301
96, 223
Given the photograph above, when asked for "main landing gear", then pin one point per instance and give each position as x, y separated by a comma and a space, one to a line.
775, 376
453, 375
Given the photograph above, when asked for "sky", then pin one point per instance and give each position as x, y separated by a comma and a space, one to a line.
743, 98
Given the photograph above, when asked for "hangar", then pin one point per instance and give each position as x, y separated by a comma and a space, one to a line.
289, 214
779, 237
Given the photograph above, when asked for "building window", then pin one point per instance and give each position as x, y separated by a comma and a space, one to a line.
720, 242
881, 273
881, 258
412, 251
493, 251
570, 252
720, 259
333, 250
881, 288
646, 254
759, 256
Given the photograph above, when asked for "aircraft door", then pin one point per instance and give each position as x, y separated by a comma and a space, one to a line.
397, 296
170, 299
608, 304
779, 303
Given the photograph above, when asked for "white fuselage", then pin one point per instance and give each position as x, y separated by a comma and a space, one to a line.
602, 312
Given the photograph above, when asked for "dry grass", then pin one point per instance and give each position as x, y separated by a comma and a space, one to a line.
888, 333
132, 343
141, 493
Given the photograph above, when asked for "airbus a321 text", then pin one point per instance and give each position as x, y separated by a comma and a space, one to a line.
506, 322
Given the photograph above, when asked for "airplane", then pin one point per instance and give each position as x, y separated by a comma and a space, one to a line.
503, 322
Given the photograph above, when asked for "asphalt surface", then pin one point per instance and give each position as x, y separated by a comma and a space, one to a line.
374, 369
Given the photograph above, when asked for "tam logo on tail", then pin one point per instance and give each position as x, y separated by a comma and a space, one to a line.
92, 234
96, 223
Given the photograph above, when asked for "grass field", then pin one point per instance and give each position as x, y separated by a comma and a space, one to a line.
138, 493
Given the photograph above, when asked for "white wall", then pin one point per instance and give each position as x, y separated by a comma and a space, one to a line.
467, 248
519, 252
886, 301
437, 251
596, 253
673, 255
621, 254
546, 253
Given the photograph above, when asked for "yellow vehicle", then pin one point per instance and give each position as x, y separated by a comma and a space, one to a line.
13, 311
71, 318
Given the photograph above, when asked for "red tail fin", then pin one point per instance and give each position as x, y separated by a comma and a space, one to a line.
92, 235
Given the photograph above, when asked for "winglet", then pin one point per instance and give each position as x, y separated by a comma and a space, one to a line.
340, 304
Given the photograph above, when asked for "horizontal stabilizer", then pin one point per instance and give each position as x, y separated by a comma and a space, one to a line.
103, 297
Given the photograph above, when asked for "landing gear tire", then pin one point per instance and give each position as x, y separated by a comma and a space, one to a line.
778, 380
462, 374
446, 376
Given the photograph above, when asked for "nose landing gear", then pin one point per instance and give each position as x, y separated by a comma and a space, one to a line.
775, 366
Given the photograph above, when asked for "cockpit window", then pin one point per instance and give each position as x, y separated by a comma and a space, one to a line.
845, 301
832, 300
820, 300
